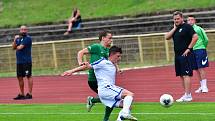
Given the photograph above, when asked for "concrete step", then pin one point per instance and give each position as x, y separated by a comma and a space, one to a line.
118, 25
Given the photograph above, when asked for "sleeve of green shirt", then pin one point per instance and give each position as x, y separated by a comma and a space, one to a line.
92, 48
205, 40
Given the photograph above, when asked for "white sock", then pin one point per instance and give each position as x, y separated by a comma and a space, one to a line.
127, 104
201, 83
188, 94
204, 83
120, 113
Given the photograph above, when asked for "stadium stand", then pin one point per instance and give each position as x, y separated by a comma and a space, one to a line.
122, 25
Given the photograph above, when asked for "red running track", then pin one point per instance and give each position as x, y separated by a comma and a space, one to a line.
147, 84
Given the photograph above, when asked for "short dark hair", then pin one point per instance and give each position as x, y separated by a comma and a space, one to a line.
103, 34
114, 49
191, 16
178, 13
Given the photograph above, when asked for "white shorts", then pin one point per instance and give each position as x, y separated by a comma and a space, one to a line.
110, 95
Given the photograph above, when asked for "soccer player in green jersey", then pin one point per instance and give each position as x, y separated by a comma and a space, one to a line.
200, 52
109, 94
96, 51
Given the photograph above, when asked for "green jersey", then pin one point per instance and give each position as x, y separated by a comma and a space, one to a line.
97, 51
202, 41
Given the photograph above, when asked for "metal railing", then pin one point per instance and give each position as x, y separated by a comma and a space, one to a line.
138, 50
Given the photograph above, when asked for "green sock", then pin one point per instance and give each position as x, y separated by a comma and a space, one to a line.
96, 100
108, 111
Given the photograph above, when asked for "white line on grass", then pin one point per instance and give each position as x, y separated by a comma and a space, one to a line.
103, 113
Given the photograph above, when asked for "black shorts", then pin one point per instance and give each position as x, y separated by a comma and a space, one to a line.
23, 70
93, 85
184, 65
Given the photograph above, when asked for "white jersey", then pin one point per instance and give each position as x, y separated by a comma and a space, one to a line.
109, 93
105, 72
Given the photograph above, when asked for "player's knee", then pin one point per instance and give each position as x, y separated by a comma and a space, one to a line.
130, 94
127, 93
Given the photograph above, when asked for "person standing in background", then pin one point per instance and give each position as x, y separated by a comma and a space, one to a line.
22, 44
200, 52
184, 38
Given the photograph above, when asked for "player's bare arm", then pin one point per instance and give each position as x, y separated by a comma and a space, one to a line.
192, 43
80, 55
78, 14
86, 66
14, 42
117, 68
15, 47
168, 35
20, 47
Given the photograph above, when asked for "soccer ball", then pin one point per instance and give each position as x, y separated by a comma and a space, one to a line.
166, 100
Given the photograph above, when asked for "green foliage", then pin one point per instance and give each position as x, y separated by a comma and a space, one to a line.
17, 12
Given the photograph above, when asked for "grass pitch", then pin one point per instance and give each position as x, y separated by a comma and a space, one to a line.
17, 12
77, 112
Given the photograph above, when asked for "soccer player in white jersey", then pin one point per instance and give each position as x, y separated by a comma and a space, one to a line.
109, 94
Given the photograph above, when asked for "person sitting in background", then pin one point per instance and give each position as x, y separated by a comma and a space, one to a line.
74, 21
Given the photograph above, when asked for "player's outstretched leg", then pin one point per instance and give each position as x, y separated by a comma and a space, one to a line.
108, 111
124, 116
91, 102
125, 112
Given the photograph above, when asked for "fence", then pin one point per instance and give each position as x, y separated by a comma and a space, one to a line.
138, 50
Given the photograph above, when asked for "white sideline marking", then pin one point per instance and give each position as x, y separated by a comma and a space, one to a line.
103, 113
